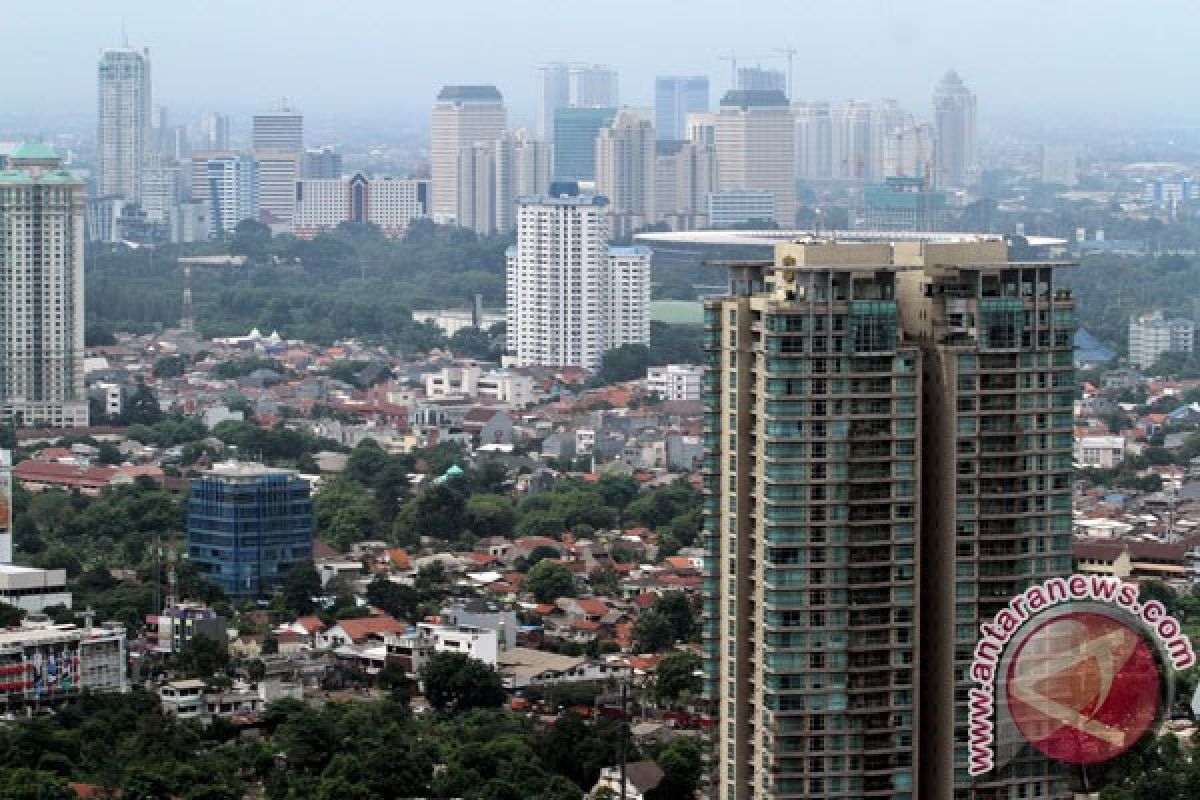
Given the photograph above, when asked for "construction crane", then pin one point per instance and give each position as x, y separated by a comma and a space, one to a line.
790, 52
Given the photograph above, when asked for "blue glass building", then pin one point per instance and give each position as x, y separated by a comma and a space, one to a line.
575, 132
247, 526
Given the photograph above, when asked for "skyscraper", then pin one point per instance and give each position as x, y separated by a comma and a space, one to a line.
954, 123
523, 169
814, 141
214, 131
123, 130
553, 93
684, 175
569, 296
757, 79
274, 527
874, 492
41, 286
908, 151
854, 142
462, 116
563, 85
281, 129
477, 201
625, 153
322, 163
227, 183
674, 98
575, 133
756, 148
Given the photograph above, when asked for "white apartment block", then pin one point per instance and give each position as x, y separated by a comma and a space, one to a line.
462, 116
1152, 335
569, 297
123, 121
625, 172
675, 381
1100, 452
814, 141
501, 386
389, 203
42, 235
160, 188
523, 169
756, 148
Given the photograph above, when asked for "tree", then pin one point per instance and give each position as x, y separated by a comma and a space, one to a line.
490, 515
681, 761
540, 554
625, 363
397, 599
170, 367
142, 407
652, 633
676, 677
679, 613
10, 615
549, 580
456, 682
202, 656
300, 585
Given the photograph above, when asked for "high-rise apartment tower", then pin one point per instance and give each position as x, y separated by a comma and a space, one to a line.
123, 124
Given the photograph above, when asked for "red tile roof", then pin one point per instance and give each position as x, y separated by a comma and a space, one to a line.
360, 629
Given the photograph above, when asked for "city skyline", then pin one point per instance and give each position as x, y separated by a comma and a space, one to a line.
924, 38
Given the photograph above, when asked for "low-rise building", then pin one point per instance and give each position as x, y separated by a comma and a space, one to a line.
1152, 335
1099, 452
33, 590
675, 381
48, 663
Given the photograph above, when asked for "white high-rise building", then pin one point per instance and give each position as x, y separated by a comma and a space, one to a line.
391, 204
854, 142
592, 86
625, 153
477, 201
523, 169
553, 93
908, 152
123, 130
1151, 335
160, 188
814, 141
282, 129
756, 148
214, 131
954, 122
462, 116
684, 175
278, 171
569, 297
228, 184
41, 303
702, 128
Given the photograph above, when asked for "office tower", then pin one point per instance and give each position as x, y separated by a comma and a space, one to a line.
954, 122
554, 92
591, 85
477, 202
702, 128
814, 141
123, 132
575, 132
757, 79
214, 131
322, 163
462, 116
391, 204
908, 151
674, 98
160, 188
274, 527
523, 169
41, 286
625, 153
684, 175
875, 491
227, 183
854, 142
278, 172
569, 296
902, 204
756, 148
282, 129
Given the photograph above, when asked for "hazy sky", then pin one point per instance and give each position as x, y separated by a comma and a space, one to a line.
1104, 61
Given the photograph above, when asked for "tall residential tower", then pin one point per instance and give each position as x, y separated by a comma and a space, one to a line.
122, 122
954, 125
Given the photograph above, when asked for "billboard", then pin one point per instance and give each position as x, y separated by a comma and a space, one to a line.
1079, 668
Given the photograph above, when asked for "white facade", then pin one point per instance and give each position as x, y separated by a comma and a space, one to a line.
390, 203
160, 188
683, 179
229, 186
86, 659
563, 85
756, 148
739, 207
523, 169
123, 122
477, 200
675, 381
814, 141
625, 165
568, 298
214, 131
502, 386
278, 172
702, 128
854, 141
1152, 335
279, 130
954, 120
462, 116
908, 151
1100, 452
42, 299
33, 590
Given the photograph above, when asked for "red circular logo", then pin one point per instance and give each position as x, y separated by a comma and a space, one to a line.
1083, 687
